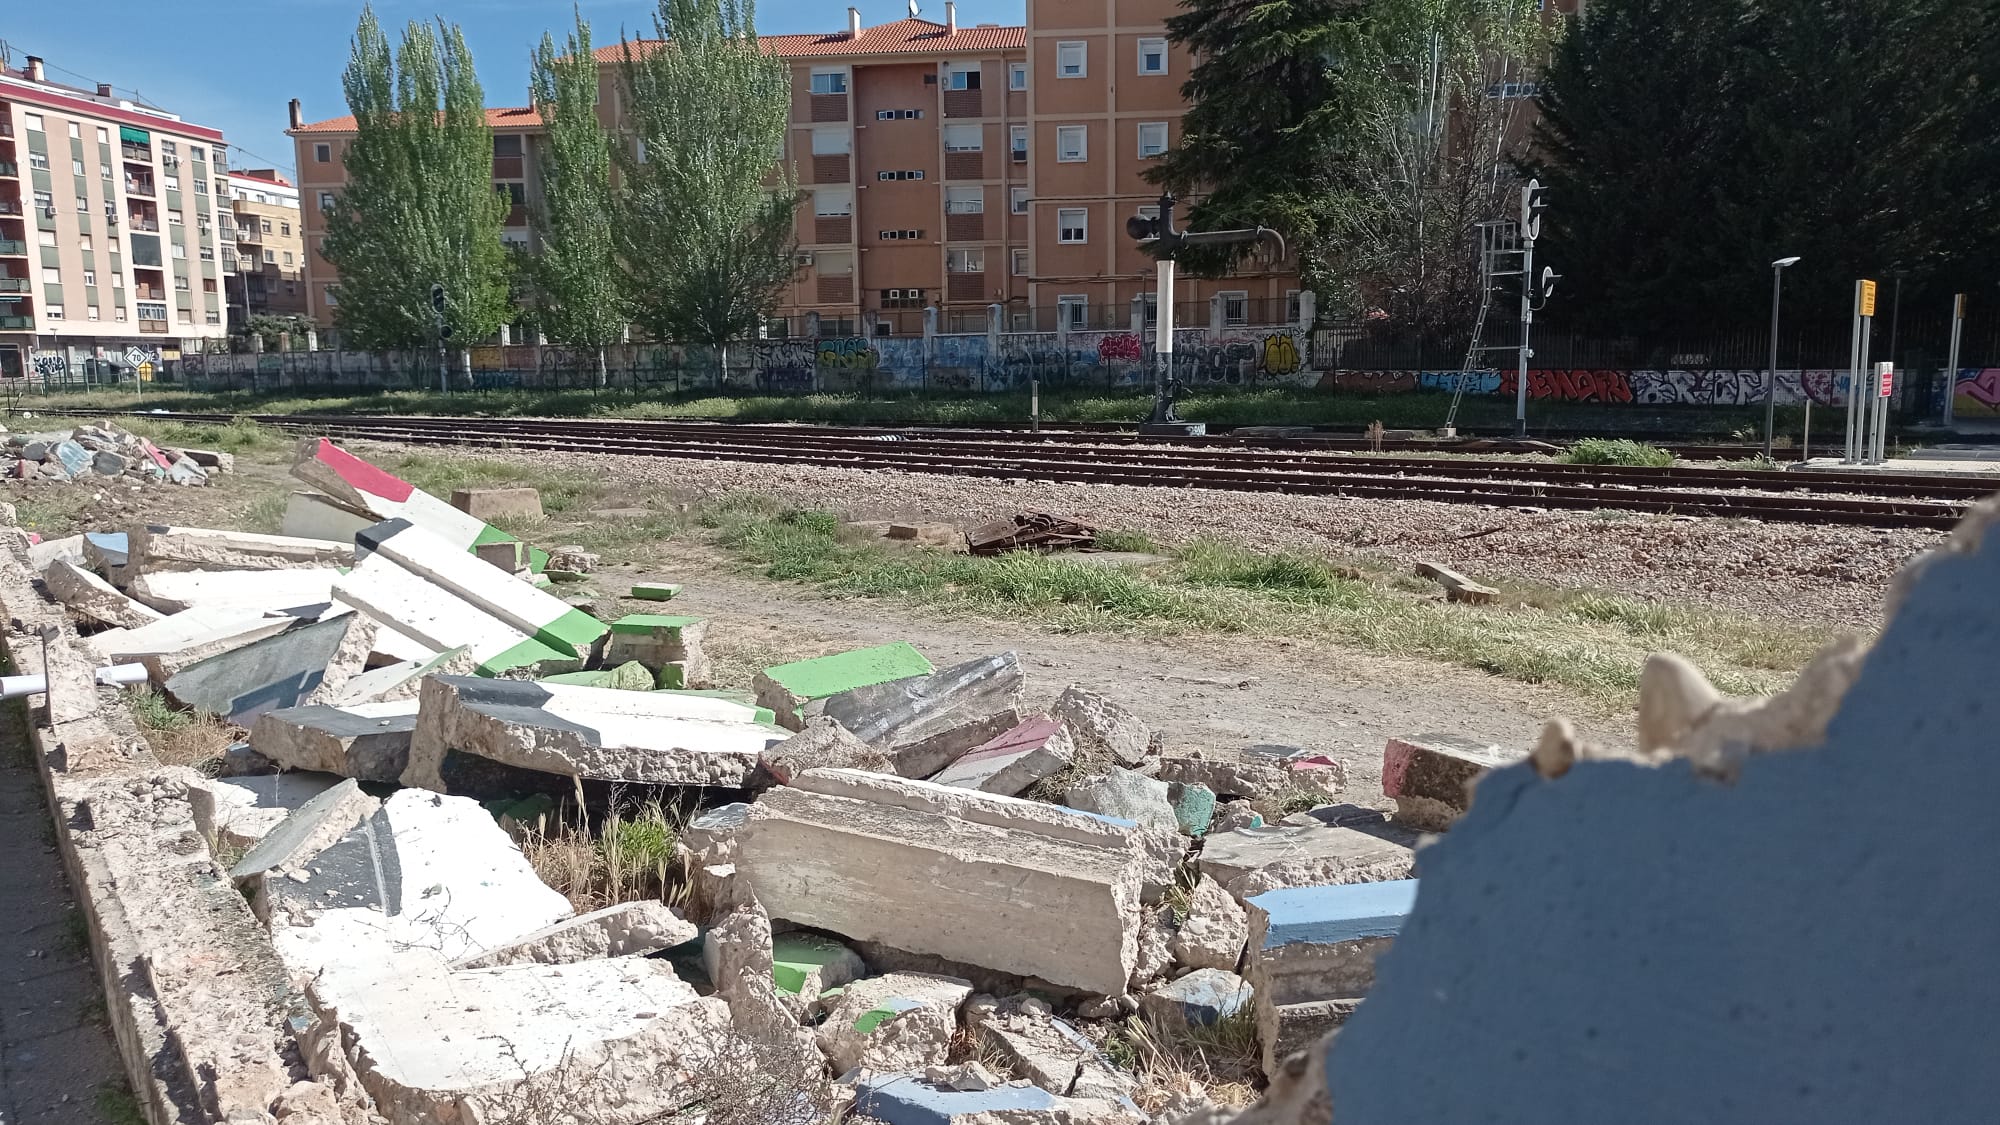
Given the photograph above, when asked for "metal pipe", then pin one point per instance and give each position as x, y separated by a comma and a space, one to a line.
116, 675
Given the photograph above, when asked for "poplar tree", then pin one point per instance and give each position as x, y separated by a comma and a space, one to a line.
705, 239
574, 276
419, 207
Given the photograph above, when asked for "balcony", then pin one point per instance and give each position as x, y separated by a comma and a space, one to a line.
965, 287
9, 168
249, 234
6, 128
10, 207
517, 216
13, 248
138, 154
835, 290
830, 168
135, 222
964, 103
508, 168
962, 226
7, 322
833, 229
145, 294
13, 285
153, 326
137, 187
965, 165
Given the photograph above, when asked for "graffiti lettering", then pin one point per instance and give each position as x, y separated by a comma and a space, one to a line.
1119, 346
1232, 363
1281, 354
51, 365
847, 353
784, 365
1572, 386
1976, 391
1373, 382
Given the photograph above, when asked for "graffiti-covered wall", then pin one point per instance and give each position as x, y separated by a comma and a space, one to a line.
1976, 393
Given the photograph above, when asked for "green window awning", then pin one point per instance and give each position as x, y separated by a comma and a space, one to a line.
136, 136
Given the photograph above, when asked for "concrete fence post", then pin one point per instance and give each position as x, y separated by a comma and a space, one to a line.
930, 346
1216, 315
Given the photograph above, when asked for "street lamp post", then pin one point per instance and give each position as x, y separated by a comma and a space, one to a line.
1771, 383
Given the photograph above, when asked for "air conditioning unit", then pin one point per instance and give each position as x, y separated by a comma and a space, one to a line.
805, 258
49, 212
171, 161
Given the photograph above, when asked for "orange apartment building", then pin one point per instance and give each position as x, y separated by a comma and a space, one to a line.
939, 165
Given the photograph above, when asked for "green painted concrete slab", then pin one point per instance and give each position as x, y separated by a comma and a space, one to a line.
845, 671
796, 956
648, 622
656, 591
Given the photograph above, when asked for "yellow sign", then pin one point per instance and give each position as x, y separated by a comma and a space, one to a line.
146, 371
1865, 299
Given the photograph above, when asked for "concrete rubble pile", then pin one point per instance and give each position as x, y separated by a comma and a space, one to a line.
103, 452
888, 859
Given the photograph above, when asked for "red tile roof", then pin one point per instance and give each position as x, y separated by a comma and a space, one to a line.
512, 117
280, 181
903, 37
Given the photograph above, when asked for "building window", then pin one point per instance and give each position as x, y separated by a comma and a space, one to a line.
172, 183
39, 161
961, 78
330, 297
55, 312
834, 263
76, 167
83, 205
829, 82
214, 317
1019, 262
91, 313
902, 298
326, 201
51, 275
1070, 60
201, 187
207, 254
1291, 306
270, 257
83, 243
34, 122
1017, 200
965, 261
47, 237
830, 142
1017, 76
1513, 90
103, 135
221, 157
174, 219
1074, 311
833, 202
168, 147
910, 174
1152, 56
1235, 307
181, 282
288, 258
75, 131
1072, 144
118, 313
964, 138
1072, 224
187, 316
1152, 139
1017, 140
180, 251
963, 200
90, 277
104, 170
899, 235
322, 153
266, 224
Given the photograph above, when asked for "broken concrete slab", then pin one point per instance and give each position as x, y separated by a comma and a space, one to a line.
824, 744
806, 964
584, 732
41, 554
1430, 776
107, 552
365, 741
96, 599
403, 679
997, 882
306, 831
350, 659
358, 486
786, 688
236, 813
1126, 795
489, 504
157, 547
1194, 807
1213, 934
1328, 845
213, 459
1013, 760
662, 642
924, 723
1312, 955
519, 605
261, 590
440, 620
900, 1021
510, 556
630, 676
1247, 776
183, 632
1047, 1051
1204, 998
629, 929
911, 1099
278, 671
1098, 724
654, 591
1457, 587
308, 515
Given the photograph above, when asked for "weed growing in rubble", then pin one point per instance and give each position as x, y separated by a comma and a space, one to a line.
1617, 451
267, 514
116, 1105
629, 857
1175, 1058
1117, 540
179, 737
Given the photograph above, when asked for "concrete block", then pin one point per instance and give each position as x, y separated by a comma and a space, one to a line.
509, 555
1013, 760
546, 618
1126, 795
358, 486
1216, 928
1329, 845
180, 632
630, 676
1431, 776
1245, 776
260, 590
641, 737
238, 812
1204, 997
805, 964
910, 1099
1194, 807
1312, 954
629, 929
265, 675
367, 741
824, 744
440, 620
94, 598
786, 688
403, 679
1047, 1051
156, 547
213, 459
308, 515
658, 640
901, 1021
1099, 725
991, 881
655, 591
924, 723
1457, 587
307, 831
489, 504
185, 471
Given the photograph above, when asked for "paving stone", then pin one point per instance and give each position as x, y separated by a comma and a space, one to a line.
1430, 776
786, 688
358, 486
1204, 997
1013, 760
655, 591
188, 630
924, 723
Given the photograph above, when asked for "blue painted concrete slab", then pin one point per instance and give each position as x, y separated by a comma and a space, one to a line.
1329, 915
905, 1099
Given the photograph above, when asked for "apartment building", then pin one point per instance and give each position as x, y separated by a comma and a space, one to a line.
108, 229
322, 144
263, 238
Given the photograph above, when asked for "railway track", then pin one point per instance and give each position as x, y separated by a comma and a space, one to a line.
1875, 499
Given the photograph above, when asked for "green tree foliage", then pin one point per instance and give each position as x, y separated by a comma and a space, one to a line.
419, 206
1689, 144
706, 233
574, 277
1361, 131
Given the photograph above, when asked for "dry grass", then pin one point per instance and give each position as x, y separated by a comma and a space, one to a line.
1175, 1061
178, 736
630, 857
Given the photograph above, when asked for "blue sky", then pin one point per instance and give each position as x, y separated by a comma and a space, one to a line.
233, 64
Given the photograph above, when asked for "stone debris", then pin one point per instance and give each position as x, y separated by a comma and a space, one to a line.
924, 723
279, 671
1327, 845
308, 515
96, 453
1312, 956
364, 741
1126, 796
654, 591
823, 744
574, 559
1457, 587
910, 1099
807, 965
1025, 1033
629, 929
262, 590
154, 548
1194, 807
304, 833
517, 604
490, 504
901, 1021
95, 598
1101, 726
1431, 776
1213, 934
1205, 997
669, 646
186, 632
236, 813
787, 688
439, 619
1011, 762
1247, 776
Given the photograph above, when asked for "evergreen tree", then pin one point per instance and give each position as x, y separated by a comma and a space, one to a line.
419, 206
705, 238
574, 277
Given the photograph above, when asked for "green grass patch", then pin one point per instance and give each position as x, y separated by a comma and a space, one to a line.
116, 1104
1617, 451
1592, 644
1117, 540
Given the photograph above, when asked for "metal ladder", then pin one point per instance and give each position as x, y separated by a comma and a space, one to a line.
1497, 240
